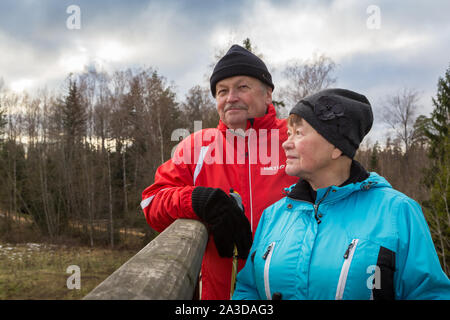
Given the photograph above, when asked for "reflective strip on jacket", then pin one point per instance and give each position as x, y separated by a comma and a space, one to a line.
196, 162
372, 242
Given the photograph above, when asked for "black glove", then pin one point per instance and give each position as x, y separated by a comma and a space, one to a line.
227, 223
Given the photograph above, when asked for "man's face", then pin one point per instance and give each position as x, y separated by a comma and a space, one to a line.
240, 98
308, 154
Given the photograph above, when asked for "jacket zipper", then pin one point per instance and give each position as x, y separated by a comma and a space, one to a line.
348, 256
268, 256
316, 206
250, 185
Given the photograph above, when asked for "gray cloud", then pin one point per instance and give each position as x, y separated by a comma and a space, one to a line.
179, 38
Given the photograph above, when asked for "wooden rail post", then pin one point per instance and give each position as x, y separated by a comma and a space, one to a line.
167, 268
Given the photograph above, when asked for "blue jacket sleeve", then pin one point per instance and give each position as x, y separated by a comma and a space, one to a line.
419, 274
245, 282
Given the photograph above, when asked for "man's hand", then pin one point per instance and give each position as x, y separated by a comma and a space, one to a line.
226, 221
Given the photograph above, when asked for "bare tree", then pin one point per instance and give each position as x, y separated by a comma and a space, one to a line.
13, 124
307, 77
110, 202
199, 105
399, 112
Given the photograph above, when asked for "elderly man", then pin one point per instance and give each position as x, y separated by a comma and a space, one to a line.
243, 153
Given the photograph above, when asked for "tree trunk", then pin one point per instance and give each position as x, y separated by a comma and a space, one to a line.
111, 224
441, 240
89, 193
124, 177
44, 192
161, 139
15, 211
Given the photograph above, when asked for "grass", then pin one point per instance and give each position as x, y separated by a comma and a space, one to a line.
38, 271
34, 267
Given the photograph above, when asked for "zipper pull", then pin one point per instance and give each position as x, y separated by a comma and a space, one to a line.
267, 251
316, 207
277, 296
350, 246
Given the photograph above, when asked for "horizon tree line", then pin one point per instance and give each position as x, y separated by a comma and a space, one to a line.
75, 159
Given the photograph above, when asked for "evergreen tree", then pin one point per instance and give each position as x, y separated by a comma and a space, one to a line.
247, 44
3, 122
437, 177
73, 167
373, 164
440, 119
74, 116
199, 106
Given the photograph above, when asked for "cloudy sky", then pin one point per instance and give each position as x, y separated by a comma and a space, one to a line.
380, 47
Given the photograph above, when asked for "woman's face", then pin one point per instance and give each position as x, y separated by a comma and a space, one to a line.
308, 154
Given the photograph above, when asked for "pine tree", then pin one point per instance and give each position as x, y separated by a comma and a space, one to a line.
437, 177
199, 106
247, 44
3, 123
74, 116
373, 164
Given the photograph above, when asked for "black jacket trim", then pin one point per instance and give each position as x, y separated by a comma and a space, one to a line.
303, 191
386, 270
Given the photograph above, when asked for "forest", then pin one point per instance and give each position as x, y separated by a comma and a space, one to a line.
75, 161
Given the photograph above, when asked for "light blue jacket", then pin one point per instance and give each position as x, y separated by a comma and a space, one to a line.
371, 242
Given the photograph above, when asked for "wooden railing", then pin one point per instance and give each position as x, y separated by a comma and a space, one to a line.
167, 268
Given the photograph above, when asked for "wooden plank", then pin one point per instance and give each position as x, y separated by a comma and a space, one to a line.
167, 268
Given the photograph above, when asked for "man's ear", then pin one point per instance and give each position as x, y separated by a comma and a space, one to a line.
268, 95
336, 153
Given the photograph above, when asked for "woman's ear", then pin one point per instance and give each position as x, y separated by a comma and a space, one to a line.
336, 153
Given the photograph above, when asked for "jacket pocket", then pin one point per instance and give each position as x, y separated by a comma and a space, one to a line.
364, 269
267, 257
348, 257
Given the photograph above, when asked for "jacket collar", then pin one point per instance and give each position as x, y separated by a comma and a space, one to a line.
265, 122
358, 175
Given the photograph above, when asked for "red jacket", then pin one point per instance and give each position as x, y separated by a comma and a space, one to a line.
253, 165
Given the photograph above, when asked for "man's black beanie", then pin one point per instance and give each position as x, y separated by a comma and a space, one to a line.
239, 62
341, 116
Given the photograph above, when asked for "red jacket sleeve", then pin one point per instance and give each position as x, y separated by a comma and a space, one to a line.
169, 197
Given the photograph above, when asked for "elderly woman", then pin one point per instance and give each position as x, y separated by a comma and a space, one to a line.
341, 232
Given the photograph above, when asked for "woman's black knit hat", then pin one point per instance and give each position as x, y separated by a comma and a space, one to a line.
239, 62
341, 116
